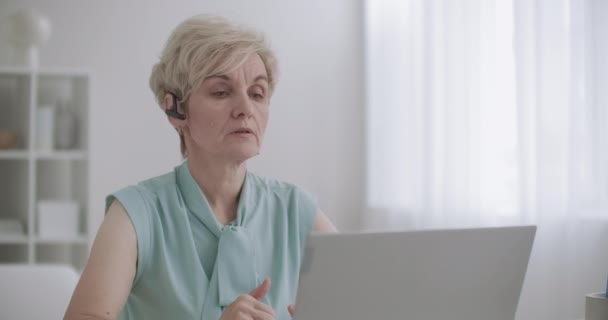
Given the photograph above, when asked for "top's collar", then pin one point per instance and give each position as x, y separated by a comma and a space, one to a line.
199, 206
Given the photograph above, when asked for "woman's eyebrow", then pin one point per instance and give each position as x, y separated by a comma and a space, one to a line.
220, 76
224, 77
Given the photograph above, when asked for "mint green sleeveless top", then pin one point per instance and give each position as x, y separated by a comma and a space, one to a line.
191, 267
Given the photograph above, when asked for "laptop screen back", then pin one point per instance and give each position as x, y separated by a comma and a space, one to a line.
462, 274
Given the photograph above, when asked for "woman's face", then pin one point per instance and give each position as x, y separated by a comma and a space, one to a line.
227, 115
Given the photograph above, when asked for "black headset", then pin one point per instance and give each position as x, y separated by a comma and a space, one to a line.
172, 112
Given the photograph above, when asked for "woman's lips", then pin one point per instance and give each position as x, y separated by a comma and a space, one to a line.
242, 131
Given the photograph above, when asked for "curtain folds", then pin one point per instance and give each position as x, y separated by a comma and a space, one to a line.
490, 112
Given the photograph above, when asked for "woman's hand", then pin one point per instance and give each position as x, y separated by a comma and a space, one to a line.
292, 310
249, 306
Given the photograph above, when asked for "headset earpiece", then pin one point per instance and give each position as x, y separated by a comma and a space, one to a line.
172, 112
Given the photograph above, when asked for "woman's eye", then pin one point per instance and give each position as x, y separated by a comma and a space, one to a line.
257, 95
220, 94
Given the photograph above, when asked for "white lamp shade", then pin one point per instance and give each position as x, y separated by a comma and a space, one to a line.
28, 28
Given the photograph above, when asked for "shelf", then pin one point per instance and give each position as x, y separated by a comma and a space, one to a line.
66, 240
13, 239
7, 70
43, 155
67, 73
14, 154
4, 70
29, 174
61, 155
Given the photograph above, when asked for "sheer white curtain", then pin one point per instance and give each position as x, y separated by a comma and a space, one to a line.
490, 112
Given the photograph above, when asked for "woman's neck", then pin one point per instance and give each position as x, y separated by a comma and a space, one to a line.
221, 183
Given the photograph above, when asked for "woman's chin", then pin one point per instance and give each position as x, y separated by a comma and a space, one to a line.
244, 154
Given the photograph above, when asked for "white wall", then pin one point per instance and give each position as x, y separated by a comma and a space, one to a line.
315, 137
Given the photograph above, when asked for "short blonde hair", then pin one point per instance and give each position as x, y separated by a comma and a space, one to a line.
200, 47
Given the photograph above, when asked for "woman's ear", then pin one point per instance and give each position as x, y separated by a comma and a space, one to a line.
168, 102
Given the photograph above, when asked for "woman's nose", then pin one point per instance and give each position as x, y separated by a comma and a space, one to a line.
243, 106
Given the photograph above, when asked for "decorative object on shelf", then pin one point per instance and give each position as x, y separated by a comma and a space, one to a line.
65, 128
57, 219
8, 139
45, 127
27, 31
11, 227
596, 306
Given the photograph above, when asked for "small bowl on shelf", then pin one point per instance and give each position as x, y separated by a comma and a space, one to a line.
8, 139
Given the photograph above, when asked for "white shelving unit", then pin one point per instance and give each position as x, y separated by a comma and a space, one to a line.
29, 175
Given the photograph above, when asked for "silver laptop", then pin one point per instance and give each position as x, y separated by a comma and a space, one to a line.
461, 274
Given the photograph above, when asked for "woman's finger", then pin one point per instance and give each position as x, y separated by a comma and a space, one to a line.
261, 290
262, 315
260, 306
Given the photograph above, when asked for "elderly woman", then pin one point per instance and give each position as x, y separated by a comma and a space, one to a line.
209, 240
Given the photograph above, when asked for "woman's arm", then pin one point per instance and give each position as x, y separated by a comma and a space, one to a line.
322, 223
106, 281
